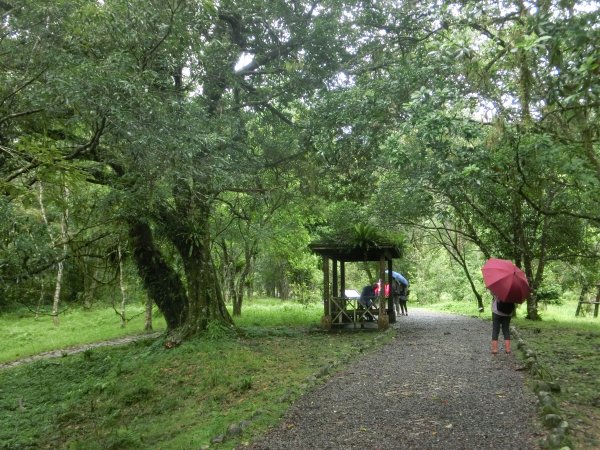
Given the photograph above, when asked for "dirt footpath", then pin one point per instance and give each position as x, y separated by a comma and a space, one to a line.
436, 386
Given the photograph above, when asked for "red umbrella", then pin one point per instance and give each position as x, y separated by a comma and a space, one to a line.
505, 280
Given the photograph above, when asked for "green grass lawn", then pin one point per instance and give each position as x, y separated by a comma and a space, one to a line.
569, 348
25, 335
144, 396
28, 336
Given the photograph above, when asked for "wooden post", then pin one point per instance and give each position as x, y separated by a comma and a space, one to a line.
584, 290
382, 285
326, 319
342, 279
383, 322
343, 301
334, 309
326, 285
334, 279
391, 307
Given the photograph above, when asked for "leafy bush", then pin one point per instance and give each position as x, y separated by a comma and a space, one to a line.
550, 293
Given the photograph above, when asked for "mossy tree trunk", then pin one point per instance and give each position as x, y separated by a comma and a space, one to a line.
188, 308
163, 284
186, 289
204, 294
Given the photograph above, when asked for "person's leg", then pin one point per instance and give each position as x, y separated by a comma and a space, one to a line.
495, 332
403, 307
506, 333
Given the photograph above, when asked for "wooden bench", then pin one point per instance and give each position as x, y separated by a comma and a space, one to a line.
345, 310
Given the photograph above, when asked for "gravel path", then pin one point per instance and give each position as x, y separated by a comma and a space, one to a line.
436, 386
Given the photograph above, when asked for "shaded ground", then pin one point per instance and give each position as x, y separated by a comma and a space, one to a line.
436, 386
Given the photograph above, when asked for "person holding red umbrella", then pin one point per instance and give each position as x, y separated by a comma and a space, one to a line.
502, 312
508, 285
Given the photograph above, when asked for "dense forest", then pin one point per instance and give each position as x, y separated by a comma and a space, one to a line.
188, 151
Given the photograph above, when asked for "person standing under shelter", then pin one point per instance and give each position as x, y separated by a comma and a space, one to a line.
403, 298
502, 312
396, 295
367, 295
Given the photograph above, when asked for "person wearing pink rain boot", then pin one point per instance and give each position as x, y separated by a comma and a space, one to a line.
502, 312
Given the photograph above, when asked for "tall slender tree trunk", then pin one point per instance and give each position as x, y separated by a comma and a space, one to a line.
148, 315
65, 249
56, 298
90, 292
59, 276
40, 300
522, 250
242, 278
123, 312
523, 257
249, 284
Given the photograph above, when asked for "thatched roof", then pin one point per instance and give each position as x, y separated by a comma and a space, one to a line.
341, 252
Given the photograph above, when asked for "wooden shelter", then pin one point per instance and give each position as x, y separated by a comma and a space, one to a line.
340, 309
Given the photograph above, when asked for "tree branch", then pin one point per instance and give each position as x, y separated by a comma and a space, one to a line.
23, 86
20, 114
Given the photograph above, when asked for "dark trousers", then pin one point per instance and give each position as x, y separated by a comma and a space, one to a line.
403, 308
500, 321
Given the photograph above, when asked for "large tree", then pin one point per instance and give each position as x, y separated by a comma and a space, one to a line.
490, 114
184, 113
482, 155
155, 101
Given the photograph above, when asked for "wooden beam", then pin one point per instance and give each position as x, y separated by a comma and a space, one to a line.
334, 280
326, 295
382, 287
342, 279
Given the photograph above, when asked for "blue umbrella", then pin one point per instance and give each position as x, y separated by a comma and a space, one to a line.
400, 278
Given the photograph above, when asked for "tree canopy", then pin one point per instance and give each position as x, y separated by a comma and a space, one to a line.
218, 137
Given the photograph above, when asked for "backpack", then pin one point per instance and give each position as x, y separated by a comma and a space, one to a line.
505, 308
